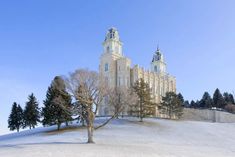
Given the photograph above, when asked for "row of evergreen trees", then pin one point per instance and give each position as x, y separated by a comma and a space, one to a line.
207, 102
58, 103
29, 117
171, 106
52, 113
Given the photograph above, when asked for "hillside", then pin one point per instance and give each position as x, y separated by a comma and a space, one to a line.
125, 138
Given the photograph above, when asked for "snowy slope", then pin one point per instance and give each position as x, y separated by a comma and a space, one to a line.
126, 138
4, 131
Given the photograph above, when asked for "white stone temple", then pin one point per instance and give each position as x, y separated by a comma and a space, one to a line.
118, 72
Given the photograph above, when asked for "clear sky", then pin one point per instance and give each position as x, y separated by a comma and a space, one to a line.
42, 39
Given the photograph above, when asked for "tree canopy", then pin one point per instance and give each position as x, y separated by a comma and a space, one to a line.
15, 120
145, 106
31, 112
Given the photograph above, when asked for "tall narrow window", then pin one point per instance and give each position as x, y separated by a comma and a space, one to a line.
155, 68
106, 67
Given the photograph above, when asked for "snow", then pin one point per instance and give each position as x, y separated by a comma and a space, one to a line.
4, 131
126, 138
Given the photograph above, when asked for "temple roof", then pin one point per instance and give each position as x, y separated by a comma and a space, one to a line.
158, 56
112, 33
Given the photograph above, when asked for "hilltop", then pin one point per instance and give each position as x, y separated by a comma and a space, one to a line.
125, 137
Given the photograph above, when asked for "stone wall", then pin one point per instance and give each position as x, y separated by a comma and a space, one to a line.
208, 115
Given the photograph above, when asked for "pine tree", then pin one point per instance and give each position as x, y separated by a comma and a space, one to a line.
56, 105
15, 120
146, 106
228, 98
218, 99
49, 108
231, 98
31, 112
186, 103
197, 104
192, 104
171, 105
206, 101
63, 97
181, 98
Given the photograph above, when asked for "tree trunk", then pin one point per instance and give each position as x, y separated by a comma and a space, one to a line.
170, 113
67, 123
18, 129
90, 134
83, 122
115, 115
58, 126
141, 110
90, 125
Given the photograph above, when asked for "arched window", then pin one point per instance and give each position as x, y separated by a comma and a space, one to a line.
107, 49
155, 68
106, 67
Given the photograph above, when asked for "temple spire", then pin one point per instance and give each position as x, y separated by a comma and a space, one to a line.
112, 43
158, 65
158, 48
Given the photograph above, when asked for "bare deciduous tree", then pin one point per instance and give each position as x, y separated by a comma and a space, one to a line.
119, 99
89, 89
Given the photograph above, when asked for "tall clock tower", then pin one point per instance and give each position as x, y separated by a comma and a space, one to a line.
112, 51
158, 65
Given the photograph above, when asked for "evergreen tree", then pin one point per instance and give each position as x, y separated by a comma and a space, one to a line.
192, 104
186, 103
228, 98
171, 105
48, 111
31, 112
181, 98
231, 98
15, 120
197, 104
218, 99
206, 101
57, 104
146, 106
63, 97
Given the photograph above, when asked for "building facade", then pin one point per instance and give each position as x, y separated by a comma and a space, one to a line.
118, 72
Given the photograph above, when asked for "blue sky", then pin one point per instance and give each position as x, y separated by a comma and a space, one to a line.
42, 39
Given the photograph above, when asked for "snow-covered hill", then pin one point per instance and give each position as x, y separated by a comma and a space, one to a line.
126, 138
